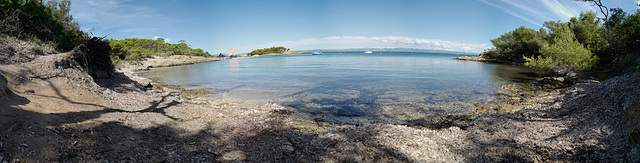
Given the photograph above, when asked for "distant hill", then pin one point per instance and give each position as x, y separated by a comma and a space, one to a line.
389, 50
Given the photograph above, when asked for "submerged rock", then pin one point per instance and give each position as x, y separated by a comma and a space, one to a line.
438, 122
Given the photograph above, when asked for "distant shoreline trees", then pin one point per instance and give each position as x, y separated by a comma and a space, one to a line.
136, 48
278, 49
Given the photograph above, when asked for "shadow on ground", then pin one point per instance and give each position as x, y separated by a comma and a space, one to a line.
84, 136
584, 125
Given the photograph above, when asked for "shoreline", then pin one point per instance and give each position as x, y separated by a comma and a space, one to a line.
278, 54
174, 60
71, 117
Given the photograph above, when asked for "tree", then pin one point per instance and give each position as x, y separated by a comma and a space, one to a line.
566, 53
519, 43
603, 9
47, 22
279, 49
135, 48
588, 31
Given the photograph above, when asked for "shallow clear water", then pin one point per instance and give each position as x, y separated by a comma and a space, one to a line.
357, 86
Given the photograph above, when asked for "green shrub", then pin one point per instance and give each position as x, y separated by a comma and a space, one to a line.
38, 49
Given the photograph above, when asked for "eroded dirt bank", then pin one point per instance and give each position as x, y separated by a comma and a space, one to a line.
55, 112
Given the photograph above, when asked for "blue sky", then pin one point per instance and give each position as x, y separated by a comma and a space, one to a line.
217, 25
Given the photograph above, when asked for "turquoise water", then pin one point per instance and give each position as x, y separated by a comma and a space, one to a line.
357, 86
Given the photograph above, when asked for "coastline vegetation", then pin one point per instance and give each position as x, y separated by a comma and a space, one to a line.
586, 42
58, 114
278, 49
136, 48
39, 21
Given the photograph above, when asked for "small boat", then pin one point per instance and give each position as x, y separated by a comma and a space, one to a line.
368, 52
316, 53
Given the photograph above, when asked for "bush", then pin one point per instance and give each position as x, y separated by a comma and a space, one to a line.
38, 49
94, 56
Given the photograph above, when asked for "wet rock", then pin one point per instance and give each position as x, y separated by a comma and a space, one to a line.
157, 159
142, 68
438, 122
287, 148
350, 113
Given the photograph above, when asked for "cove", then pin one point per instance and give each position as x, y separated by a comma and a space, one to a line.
351, 87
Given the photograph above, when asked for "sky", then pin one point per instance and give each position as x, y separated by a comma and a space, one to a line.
217, 25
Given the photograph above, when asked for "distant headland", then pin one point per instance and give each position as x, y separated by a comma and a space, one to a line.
390, 50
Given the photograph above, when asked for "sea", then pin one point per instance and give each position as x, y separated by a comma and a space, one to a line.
390, 87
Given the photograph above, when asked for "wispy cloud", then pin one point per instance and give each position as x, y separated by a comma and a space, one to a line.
116, 16
340, 42
538, 11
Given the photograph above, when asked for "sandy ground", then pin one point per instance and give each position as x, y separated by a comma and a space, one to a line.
56, 114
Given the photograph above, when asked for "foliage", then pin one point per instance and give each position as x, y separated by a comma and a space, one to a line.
136, 48
48, 22
566, 53
94, 56
631, 30
38, 49
519, 43
584, 42
278, 49
588, 31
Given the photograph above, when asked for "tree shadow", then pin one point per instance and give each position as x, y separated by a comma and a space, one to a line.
589, 129
119, 82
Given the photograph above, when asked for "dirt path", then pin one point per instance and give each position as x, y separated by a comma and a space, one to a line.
67, 117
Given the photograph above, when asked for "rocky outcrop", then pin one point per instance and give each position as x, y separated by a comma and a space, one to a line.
174, 60
480, 58
468, 58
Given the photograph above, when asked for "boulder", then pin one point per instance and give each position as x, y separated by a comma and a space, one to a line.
144, 82
552, 83
3, 87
